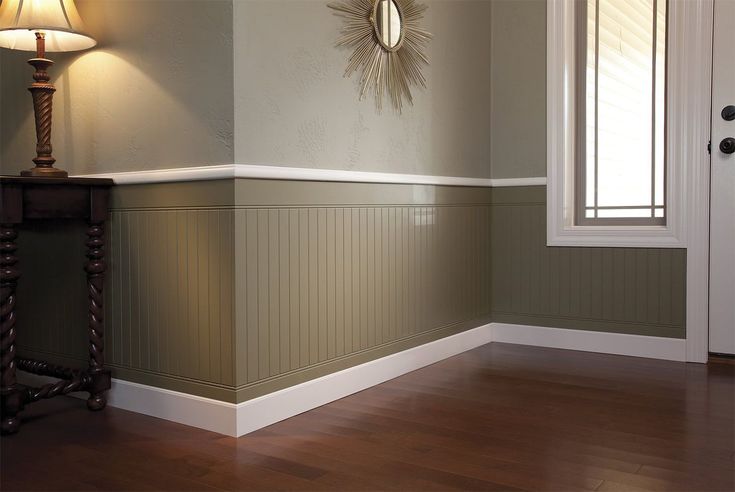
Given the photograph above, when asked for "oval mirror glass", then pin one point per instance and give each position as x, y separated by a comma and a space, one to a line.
387, 19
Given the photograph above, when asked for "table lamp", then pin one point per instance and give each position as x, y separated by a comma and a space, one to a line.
40, 26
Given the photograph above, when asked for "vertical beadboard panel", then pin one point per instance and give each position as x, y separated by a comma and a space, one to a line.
384, 286
262, 294
331, 296
224, 275
294, 320
168, 293
362, 304
250, 300
51, 324
284, 293
304, 291
313, 284
347, 273
169, 308
322, 331
624, 290
334, 281
340, 326
273, 298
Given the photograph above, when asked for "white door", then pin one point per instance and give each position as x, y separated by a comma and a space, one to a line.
722, 214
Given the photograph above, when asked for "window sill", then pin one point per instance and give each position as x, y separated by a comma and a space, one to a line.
615, 237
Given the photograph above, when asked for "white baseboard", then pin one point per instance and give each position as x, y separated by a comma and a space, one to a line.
196, 411
591, 341
205, 413
274, 407
240, 419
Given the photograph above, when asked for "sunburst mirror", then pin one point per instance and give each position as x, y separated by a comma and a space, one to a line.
389, 46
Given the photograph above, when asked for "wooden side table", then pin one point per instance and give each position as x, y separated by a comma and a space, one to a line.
24, 199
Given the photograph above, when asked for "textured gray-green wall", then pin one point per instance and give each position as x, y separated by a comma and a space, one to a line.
294, 107
640, 291
232, 289
518, 109
155, 93
168, 87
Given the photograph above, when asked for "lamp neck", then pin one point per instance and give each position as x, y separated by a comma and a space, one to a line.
40, 44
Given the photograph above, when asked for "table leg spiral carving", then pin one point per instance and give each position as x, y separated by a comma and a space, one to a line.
33, 197
95, 269
9, 274
44, 368
61, 387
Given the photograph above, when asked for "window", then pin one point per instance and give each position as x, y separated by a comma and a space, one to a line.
620, 117
626, 120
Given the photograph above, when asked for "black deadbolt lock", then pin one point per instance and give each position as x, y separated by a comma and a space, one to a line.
728, 113
727, 146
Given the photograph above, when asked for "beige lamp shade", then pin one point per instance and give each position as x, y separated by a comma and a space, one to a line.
58, 19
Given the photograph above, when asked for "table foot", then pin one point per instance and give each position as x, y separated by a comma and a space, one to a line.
10, 425
97, 402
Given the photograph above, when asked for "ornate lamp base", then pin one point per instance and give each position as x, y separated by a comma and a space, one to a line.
42, 91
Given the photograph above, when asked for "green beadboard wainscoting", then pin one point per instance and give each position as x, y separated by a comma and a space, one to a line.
640, 291
169, 290
232, 289
235, 288
330, 275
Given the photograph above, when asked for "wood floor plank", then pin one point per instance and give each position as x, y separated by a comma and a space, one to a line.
500, 417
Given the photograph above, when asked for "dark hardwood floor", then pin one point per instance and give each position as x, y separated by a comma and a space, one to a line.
500, 417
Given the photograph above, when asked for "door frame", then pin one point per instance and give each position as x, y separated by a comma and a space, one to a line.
690, 99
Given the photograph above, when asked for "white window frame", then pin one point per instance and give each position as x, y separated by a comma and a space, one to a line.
685, 143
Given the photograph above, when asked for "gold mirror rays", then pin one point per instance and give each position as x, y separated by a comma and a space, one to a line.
389, 46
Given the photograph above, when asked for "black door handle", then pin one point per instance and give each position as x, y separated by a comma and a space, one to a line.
727, 146
728, 113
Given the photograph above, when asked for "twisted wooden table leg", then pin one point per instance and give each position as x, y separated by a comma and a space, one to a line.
95, 269
9, 274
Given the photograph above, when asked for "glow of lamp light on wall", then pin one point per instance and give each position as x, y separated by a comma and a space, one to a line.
40, 26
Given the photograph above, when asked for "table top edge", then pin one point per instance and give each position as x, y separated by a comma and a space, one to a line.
5, 179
